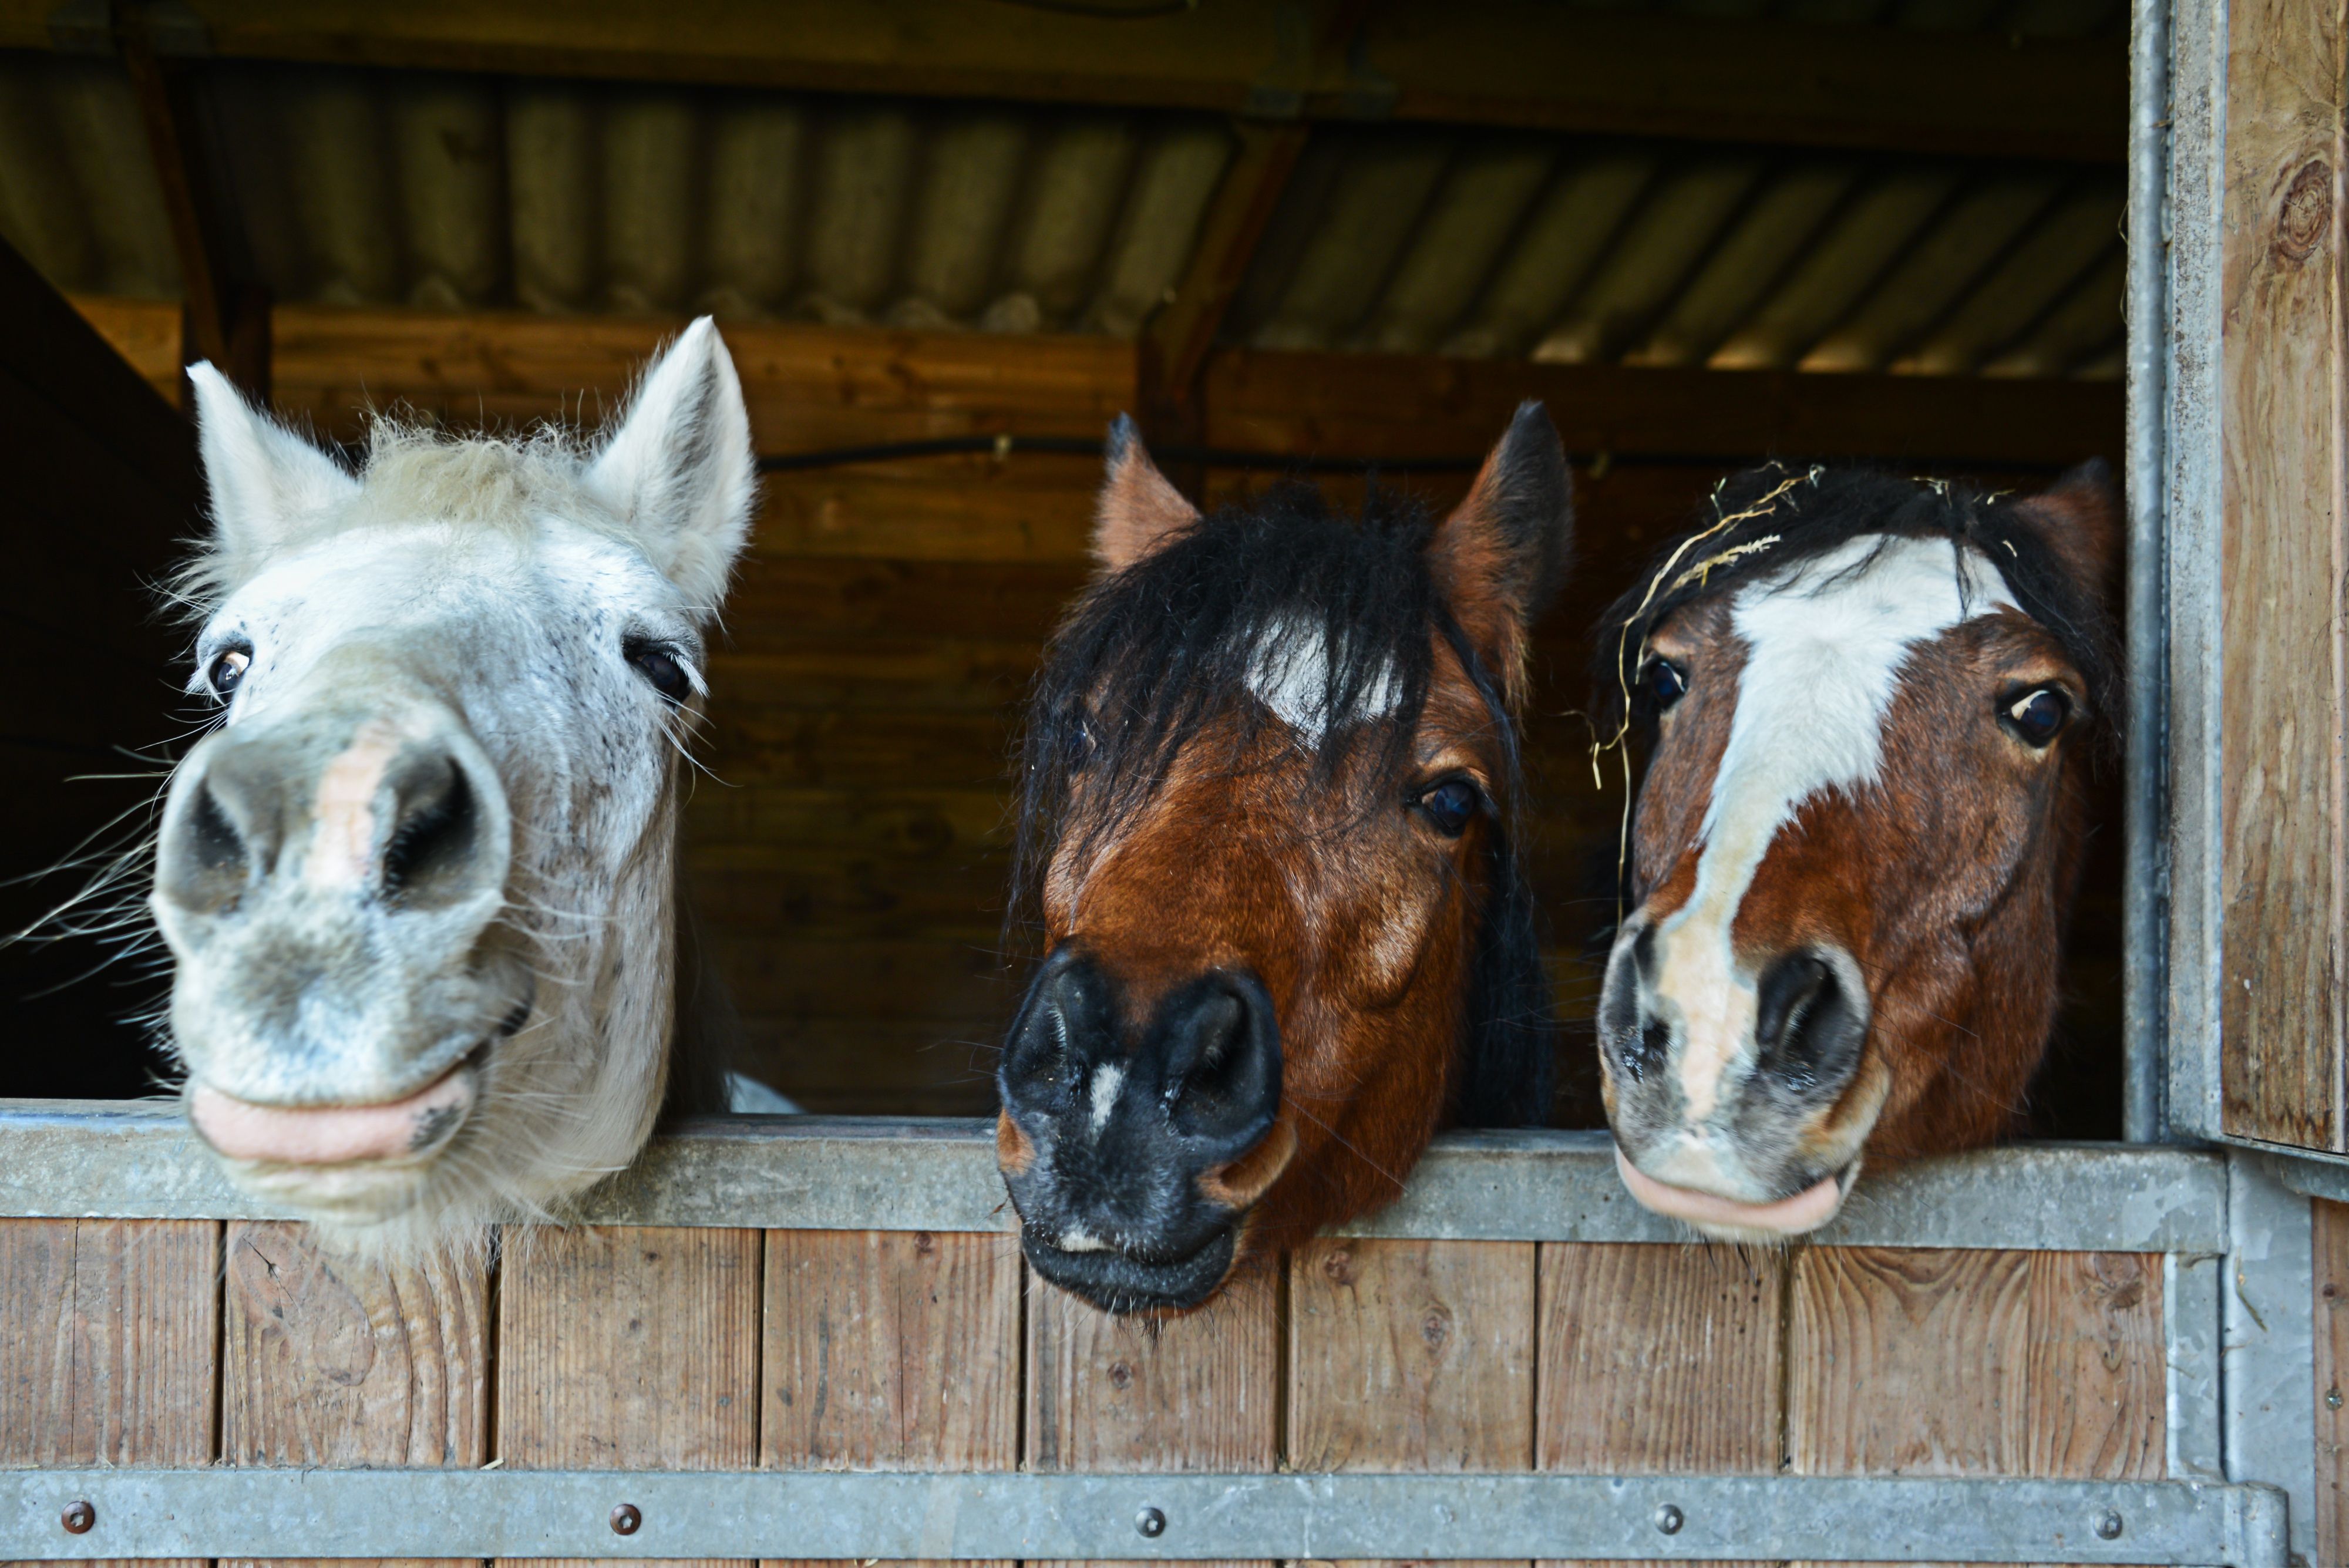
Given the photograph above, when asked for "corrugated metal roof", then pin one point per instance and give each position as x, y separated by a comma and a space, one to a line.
454, 192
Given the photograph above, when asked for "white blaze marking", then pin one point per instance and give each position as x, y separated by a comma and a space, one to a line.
1082, 1241
1822, 664
1289, 673
344, 844
1107, 1081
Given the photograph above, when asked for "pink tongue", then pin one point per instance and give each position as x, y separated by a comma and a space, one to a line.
1806, 1211
324, 1135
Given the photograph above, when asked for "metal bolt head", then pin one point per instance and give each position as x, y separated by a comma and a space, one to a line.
77, 1518
2108, 1525
2332, 1397
1150, 1522
626, 1519
1668, 1519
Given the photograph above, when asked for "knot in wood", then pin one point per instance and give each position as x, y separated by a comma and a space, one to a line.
1340, 1267
1121, 1376
925, 1244
1435, 1327
2305, 216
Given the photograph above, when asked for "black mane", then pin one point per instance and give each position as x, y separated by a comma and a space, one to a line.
1798, 515
1147, 658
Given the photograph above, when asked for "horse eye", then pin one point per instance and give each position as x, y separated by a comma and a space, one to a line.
227, 671
2037, 716
1665, 683
1449, 807
659, 666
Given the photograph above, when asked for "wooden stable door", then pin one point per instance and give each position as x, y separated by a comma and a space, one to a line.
2257, 557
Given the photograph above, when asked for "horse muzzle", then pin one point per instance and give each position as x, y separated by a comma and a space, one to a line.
1136, 1154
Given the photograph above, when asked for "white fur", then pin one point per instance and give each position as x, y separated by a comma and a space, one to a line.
1823, 656
1108, 1079
1288, 672
476, 594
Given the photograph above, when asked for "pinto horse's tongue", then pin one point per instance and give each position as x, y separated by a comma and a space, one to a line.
1806, 1211
330, 1134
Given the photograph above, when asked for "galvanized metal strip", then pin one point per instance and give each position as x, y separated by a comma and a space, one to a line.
2269, 1366
223, 1512
2190, 1335
137, 1161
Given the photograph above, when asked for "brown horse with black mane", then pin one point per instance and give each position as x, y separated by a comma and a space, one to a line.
1875, 702
1268, 788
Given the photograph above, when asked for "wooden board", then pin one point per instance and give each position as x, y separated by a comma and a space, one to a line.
2284, 560
628, 1349
1659, 1359
1409, 1356
1199, 1392
891, 1351
2330, 1281
107, 1356
333, 1362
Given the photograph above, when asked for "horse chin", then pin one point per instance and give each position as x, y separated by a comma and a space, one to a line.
1733, 1220
1121, 1282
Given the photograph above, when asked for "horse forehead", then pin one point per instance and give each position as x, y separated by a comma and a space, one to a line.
1288, 670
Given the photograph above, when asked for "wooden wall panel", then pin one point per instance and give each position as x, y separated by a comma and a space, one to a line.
1658, 1360
108, 1334
328, 1361
628, 1349
1412, 1356
2282, 564
890, 1350
1199, 1392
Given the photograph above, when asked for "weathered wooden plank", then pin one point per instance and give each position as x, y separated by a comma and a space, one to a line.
2283, 561
1659, 1359
1911, 1362
2330, 1281
1412, 1356
1199, 1392
628, 1349
2097, 1392
891, 1351
328, 1361
108, 1353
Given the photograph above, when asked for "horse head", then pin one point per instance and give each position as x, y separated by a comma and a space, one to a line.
418, 880
1265, 830
1873, 702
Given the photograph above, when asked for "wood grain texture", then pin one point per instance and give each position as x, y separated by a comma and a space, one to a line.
1199, 1392
107, 1356
2098, 1401
1407, 1356
2330, 1283
1658, 1359
335, 1362
2282, 564
628, 1349
890, 1350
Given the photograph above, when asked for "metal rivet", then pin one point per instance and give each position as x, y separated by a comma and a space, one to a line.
2332, 1397
2108, 1525
77, 1518
626, 1519
1668, 1519
1150, 1522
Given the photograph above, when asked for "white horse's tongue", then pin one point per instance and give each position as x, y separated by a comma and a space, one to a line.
327, 1134
1806, 1211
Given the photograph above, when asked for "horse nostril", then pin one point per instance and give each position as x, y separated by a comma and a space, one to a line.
430, 859
1047, 1056
1222, 1063
1648, 1049
1806, 1030
204, 860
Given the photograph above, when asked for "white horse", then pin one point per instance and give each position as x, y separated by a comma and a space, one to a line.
420, 883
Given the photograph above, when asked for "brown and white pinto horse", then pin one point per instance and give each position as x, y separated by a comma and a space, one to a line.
1875, 702
1269, 776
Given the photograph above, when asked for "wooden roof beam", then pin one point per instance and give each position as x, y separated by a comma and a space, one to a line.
1520, 63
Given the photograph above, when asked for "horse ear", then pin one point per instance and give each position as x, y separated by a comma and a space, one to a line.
680, 469
265, 481
1501, 553
1139, 513
2079, 517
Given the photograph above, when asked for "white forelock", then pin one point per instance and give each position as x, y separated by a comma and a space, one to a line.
1288, 672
